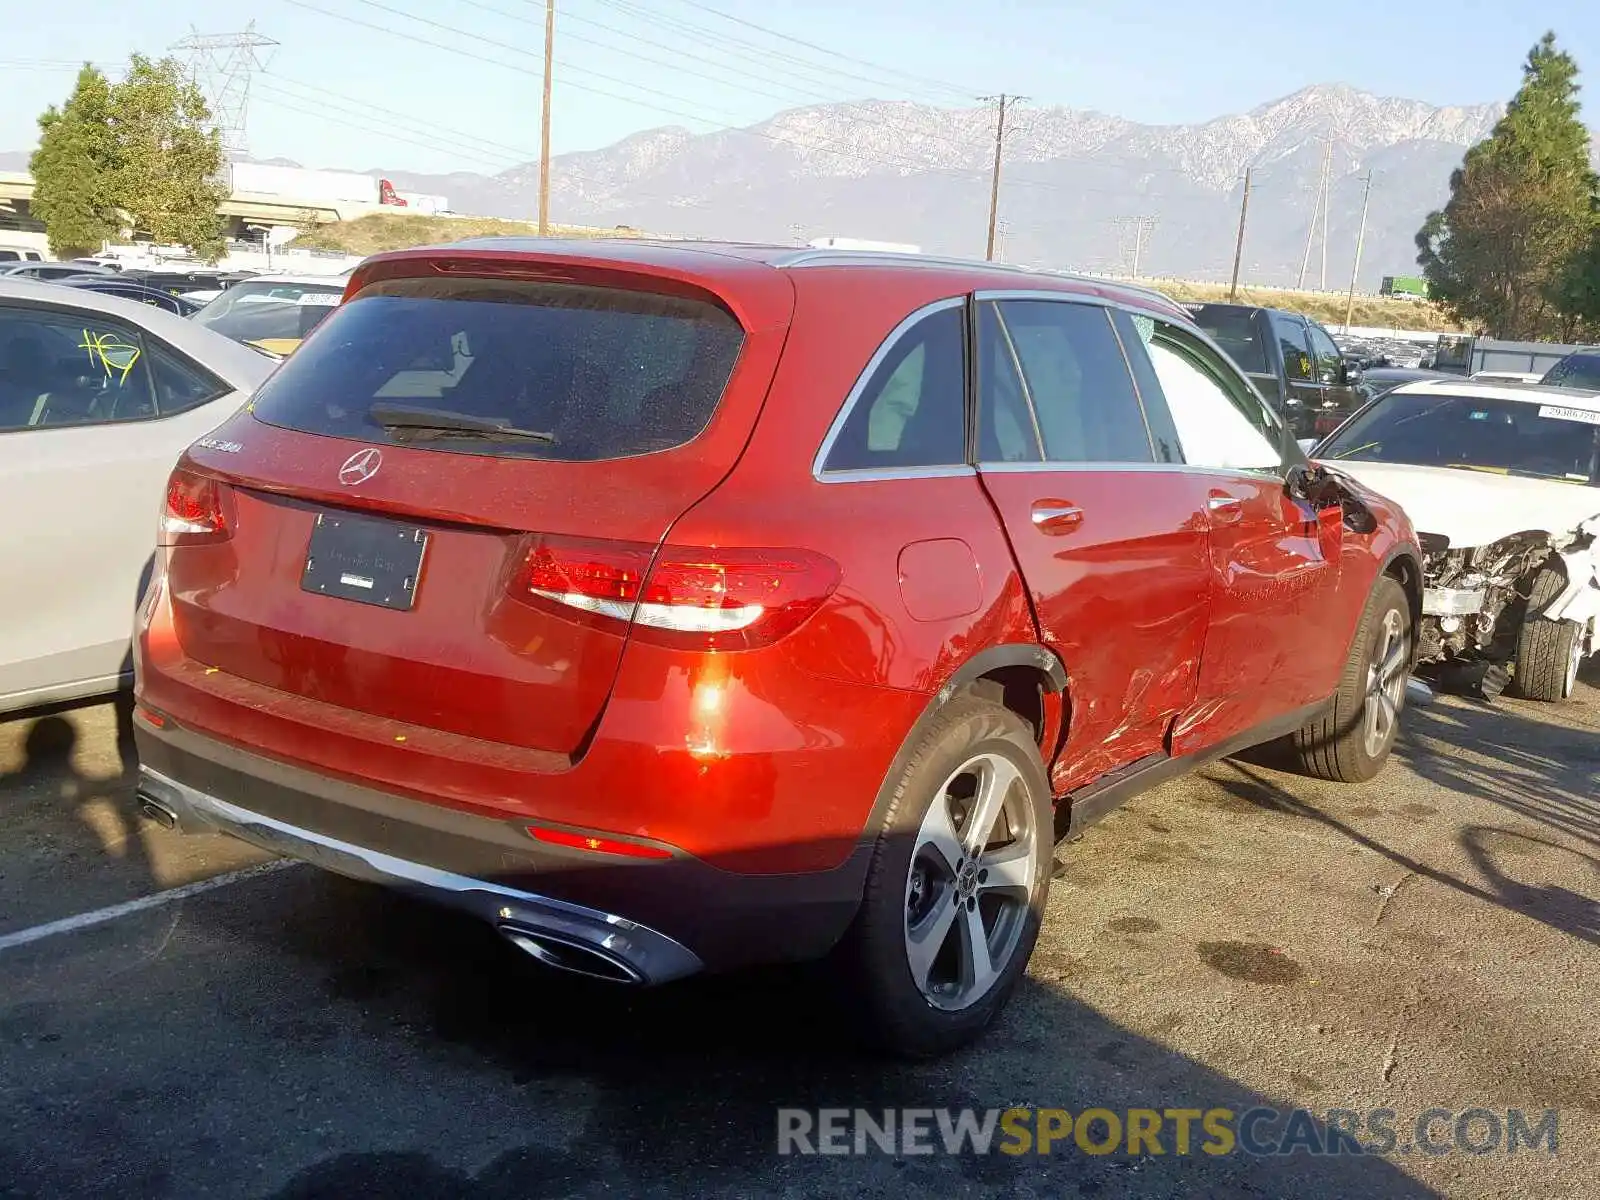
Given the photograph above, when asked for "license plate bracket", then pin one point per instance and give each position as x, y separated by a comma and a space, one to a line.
369, 561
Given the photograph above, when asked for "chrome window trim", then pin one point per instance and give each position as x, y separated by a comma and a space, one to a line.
819, 470
1008, 468
877, 474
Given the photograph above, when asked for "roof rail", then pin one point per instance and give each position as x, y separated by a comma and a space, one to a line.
839, 258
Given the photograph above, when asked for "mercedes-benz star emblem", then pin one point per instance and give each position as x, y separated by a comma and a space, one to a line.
361, 466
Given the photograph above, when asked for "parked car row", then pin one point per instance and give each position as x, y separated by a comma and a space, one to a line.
681, 607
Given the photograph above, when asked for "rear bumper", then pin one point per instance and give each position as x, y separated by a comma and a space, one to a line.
650, 920
637, 953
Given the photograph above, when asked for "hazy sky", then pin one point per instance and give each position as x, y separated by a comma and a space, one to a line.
344, 92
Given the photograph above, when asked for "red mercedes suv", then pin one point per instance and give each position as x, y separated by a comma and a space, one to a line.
677, 607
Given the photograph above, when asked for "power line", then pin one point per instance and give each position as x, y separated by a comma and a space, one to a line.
765, 77
387, 113
282, 101
722, 119
341, 115
583, 70
940, 84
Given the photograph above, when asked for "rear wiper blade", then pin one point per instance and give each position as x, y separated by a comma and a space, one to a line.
441, 422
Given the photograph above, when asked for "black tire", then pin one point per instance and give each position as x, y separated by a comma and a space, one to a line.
1334, 745
1546, 650
872, 961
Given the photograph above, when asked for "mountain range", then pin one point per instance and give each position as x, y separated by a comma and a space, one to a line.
1080, 189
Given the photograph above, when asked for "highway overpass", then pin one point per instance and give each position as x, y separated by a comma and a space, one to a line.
239, 209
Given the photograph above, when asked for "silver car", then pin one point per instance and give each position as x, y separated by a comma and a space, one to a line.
98, 397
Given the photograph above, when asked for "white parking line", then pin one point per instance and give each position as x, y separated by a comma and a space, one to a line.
100, 916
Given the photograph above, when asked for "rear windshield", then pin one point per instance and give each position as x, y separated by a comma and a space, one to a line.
1545, 440
601, 372
1234, 329
258, 312
1575, 371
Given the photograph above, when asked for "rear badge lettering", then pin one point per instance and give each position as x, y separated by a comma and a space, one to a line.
218, 444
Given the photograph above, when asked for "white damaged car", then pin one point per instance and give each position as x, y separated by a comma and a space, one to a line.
1503, 487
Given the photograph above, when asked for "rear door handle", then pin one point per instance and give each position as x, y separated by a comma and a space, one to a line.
1224, 509
1056, 516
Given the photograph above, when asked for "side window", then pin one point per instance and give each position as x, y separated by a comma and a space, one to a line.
58, 369
1291, 336
1327, 355
1007, 429
1221, 422
912, 411
180, 386
1075, 374
1135, 333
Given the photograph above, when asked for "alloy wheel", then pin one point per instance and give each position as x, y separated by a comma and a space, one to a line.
1386, 684
972, 875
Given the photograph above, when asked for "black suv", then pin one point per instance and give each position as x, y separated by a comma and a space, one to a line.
1291, 359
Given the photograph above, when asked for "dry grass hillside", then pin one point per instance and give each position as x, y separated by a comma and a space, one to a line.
1327, 307
384, 231
381, 231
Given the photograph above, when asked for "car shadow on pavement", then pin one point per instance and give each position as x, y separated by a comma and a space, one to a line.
1545, 772
598, 1089
46, 800
1557, 907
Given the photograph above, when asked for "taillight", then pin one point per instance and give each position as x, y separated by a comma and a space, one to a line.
694, 597
196, 510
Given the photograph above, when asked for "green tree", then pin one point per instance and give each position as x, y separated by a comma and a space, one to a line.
72, 169
168, 160
1499, 252
1578, 294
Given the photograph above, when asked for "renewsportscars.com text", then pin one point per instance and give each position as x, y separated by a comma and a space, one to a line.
1152, 1131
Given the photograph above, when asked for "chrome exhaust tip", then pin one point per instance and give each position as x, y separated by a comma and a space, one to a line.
156, 810
567, 955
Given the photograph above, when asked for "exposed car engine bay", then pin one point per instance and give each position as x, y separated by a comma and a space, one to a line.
1476, 598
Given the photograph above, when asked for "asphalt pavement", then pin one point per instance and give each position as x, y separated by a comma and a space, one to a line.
1240, 939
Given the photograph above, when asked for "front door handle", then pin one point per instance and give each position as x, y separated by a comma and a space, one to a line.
1056, 516
1224, 509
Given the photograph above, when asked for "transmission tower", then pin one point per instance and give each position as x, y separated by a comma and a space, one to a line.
221, 66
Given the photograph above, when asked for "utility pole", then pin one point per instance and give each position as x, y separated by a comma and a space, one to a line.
1316, 207
544, 118
1001, 102
1238, 246
1140, 228
1361, 237
1327, 197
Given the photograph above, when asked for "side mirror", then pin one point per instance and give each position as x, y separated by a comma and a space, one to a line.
1307, 445
1349, 374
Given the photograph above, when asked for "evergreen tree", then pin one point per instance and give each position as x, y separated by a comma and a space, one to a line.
1500, 251
72, 169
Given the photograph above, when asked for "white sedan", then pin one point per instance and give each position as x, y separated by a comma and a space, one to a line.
1503, 486
98, 397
